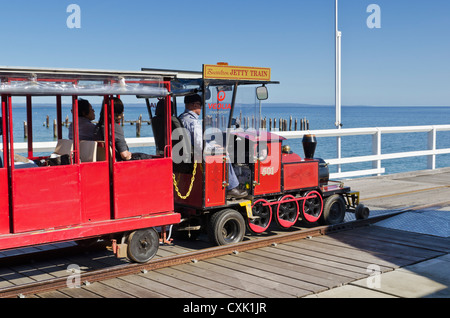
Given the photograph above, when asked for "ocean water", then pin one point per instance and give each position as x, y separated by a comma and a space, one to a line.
319, 117
323, 117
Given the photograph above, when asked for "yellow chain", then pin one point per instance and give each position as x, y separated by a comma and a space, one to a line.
190, 187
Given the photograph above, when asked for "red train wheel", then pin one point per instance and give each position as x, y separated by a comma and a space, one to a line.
287, 213
262, 215
312, 207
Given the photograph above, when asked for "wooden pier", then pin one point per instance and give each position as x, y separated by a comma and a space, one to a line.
373, 261
387, 259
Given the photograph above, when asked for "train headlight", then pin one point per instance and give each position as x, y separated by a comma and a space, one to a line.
286, 149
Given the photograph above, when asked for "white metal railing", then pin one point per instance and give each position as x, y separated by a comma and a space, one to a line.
376, 157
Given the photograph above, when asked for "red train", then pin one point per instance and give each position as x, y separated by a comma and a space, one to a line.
83, 190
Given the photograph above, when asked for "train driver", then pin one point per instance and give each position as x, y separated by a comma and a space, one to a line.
190, 120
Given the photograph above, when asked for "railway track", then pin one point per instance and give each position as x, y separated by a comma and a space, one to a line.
183, 258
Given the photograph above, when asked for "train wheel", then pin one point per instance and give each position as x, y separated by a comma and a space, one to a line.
313, 207
287, 213
362, 212
143, 245
226, 227
262, 216
334, 210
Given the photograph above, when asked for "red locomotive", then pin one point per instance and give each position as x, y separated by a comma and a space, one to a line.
280, 185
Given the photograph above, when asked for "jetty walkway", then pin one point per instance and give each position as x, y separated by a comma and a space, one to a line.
426, 226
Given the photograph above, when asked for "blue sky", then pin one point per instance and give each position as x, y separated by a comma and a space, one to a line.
405, 62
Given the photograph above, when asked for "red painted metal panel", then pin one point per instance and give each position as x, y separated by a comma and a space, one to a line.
215, 171
143, 187
301, 175
4, 202
269, 171
95, 198
87, 230
291, 157
45, 197
195, 198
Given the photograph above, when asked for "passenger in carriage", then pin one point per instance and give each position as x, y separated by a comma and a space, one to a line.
122, 150
189, 119
86, 115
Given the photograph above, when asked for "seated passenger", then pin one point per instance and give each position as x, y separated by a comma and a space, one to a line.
86, 115
189, 119
122, 151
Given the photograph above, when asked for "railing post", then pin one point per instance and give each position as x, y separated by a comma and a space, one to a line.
432, 146
376, 149
338, 152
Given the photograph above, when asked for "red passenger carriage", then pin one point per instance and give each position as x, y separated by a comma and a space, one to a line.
81, 191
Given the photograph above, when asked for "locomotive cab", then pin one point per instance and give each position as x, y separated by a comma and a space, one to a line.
280, 185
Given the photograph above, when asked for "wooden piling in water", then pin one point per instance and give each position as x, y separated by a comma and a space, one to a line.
138, 126
55, 129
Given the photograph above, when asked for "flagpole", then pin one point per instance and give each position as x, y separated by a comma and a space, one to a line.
338, 123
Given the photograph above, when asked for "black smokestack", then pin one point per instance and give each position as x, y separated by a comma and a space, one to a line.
309, 146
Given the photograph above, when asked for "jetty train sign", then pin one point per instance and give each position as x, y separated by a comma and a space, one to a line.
224, 71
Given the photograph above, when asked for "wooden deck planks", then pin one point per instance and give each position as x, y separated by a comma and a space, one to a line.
307, 276
219, 288
270, 288
236, 280
335, 248
223, 283
293, 269
156, 286
320, 265
434, 243
176, 283
379, 247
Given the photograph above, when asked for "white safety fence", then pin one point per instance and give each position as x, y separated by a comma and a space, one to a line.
376, 157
